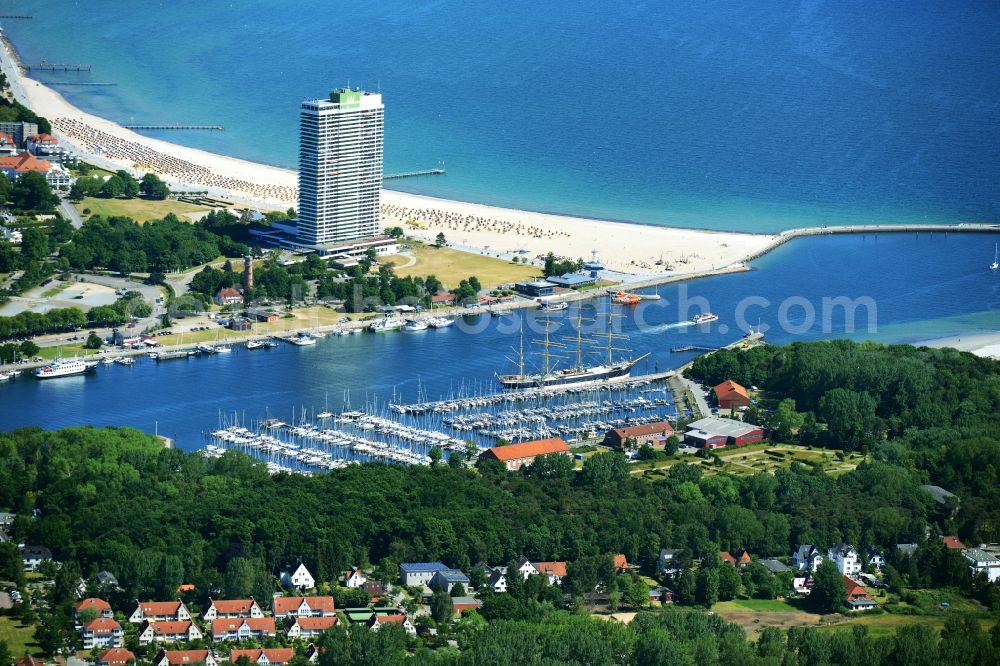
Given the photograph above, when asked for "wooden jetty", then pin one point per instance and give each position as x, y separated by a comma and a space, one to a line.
56, 66
216, 128
412, 174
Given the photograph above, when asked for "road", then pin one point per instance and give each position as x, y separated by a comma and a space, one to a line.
70, 212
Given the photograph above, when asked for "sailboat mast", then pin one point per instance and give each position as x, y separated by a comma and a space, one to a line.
520, 362
611, 335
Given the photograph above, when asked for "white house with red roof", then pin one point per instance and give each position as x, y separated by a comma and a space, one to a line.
303, 607
115, 657
264, 657
378, 621
243, 628
184, 658
42, 144
175, 631
159, 611
311, 627
102, 632
99, 606
7, 144
230, 608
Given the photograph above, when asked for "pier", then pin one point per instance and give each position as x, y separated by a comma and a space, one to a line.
14, 16
215, 128
690, 348
414, 174
57, 66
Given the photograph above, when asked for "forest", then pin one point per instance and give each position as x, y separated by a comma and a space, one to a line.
115, 499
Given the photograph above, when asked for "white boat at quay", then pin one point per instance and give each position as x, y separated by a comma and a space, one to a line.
302, 340
440, 322
386, 324
416, 325
65, 368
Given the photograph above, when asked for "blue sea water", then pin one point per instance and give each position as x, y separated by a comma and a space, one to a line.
919, 285
729, 115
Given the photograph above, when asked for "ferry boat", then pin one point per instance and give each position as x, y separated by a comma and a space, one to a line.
416, 325
704, 318
553, 307
625, 298
579, 373
67, 368
440, 322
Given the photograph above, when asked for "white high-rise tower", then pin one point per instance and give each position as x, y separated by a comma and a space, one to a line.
340, 166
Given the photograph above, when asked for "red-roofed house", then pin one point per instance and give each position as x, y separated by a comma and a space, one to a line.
14, 165
741, 559
377, 621
619, 562
443, 298
184, 658
265, 657
953, 543
355, 578
514, 456
857, 596
229, 296
231, 608
42, 144
654, 435
242, 628
114, 657
311, 627
159, 611
7, 144
303, 607
554, 570
102, 633
28, 660
99, 606
731, 395
175, 631
461, 604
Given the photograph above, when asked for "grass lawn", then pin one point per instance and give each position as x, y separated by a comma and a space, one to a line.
756, 605
140, 210
451, 266
886, 624
65, 351
19, 638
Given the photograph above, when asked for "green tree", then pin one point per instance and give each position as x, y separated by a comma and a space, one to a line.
435, 455
130, 186
707, 591
152, 187
441, 607
440, 240
31, 192
828, 591
730, 583
94, 341
113, 187
34, 244
605, 470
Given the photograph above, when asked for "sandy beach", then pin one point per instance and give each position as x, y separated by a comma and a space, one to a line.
986, 345
631, 248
